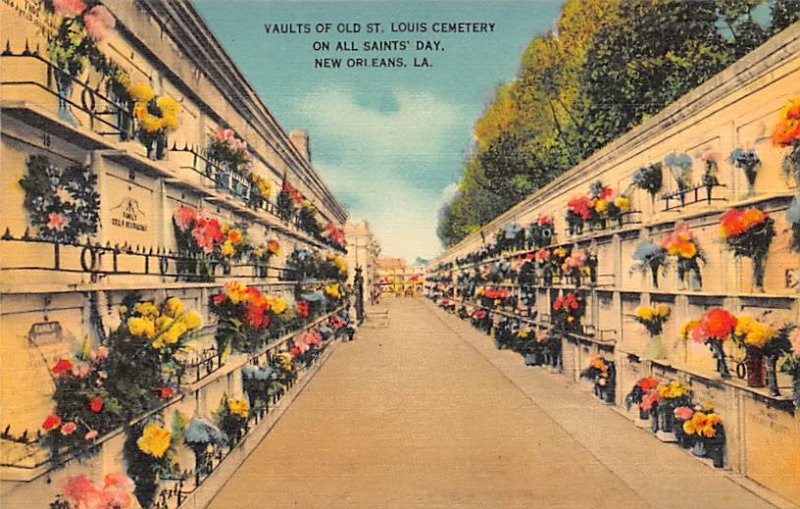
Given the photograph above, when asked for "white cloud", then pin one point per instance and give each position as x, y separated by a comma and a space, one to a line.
384, 159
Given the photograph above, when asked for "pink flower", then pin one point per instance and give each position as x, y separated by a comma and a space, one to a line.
91, 435
102, 352
80, 490
683, 413
68, 428
81, 370
185, 217
56, 221
225, 134
69, 8
710, 155
99, 22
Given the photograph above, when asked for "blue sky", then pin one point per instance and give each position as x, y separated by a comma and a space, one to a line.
389, 142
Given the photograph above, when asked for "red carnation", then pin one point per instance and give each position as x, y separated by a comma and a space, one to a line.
62, 368
219, 298
51, 422
165, 393
96, 404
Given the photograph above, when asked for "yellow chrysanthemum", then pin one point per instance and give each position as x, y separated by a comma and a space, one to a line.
141, 327
168, 106
173, 307
623, 203
340, 263
235, 291
174, 333
151, 123
140, 111
154, 441
278, 305
644, 313
147, 308
170, 122
192, 320
227, 248
601, 206
141, 92
239, 407
333, 290
662, 310
162, 323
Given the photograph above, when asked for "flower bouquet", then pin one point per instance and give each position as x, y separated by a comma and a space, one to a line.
793, 218
649, 407
245, 317
232, 417
202, 437
541, 232
79, 492
335, 235
749, 233
198, 236
707, 433
333, 268
150, 454
653, 318
542, 258
682, 245
787, 135
650, 179
228, 151
714, 328
289, 199
568, 309
260, 190
680, 166
648, 256
602, 373
670, 396
284, 368
260, 256
642, 387
303, 264
574, 266
308, 219
748, 161
235, 245
579, 212
710, 160
84, 408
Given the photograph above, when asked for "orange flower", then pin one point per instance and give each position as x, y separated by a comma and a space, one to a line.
718, 324
786, 132
753, 217
792, 110
732, 223
235, 236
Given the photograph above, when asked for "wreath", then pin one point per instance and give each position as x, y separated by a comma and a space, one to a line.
61, 204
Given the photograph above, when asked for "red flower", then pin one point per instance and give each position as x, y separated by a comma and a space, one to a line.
545, 220
51, 422
165, 393
302, 308
295, 351
219, 298
718, 324
647, 383
256, 316
96, 404
557, 304
62, 368
68, 428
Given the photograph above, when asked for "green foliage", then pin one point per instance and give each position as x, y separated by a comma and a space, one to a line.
608, 66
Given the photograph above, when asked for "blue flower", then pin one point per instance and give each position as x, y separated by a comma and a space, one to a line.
675, 160
203, 431
645, 250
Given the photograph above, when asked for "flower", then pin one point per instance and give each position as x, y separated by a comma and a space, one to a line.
68, 428
735, 222
644, 313
61, 368
681, 243
683, 413
649, 400
165, 392
141, 92
91, 435
151, 123
168, 106
192, 320
623, 203
51, 422
786, 132
173, 307
278, 305
96, 404
718, 324
185, 217
56, 221
141, 327
99, 22
170, 122
303, 308
274, 247
239, 407
227, 248
69, 8
752, 333
647, 383
147, 309
155, 440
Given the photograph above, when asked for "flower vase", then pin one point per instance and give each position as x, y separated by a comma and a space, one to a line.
717, 455
666, 418
754, 361
608, 395
719, 354
695, 282
771, 362
644, 414
751, 181
64, 87
161, 147
699, 448
654, 421
654, 275
655, 348
758, 273
796, 386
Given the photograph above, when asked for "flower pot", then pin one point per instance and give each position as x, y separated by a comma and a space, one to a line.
756, 373
758, 273
717, 455
655, 348
64, 87
699, 448
644, 414
719, 354
666, 418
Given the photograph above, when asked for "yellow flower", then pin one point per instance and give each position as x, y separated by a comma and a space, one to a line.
561, 252
170, 122
174, 333
235, 291
340, 264
123, 78
236, 237
192, 320
623, 203
278, 305
151, 123
264, 186
168, 106
644, 313
173, 307
140, 111
141, 92
662, 310
227, 248
147, 308
239, 407
601, 206
162, 322
141, 327
688, 328
155, 440
333, 290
